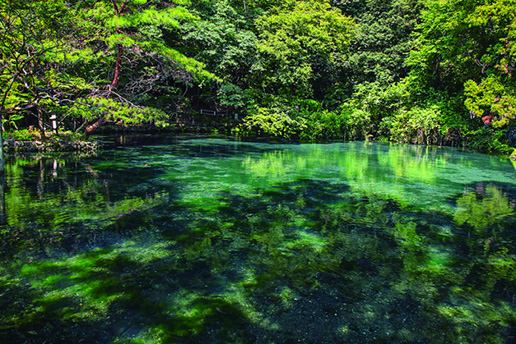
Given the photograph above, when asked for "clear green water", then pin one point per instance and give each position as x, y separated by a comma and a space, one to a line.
214, 241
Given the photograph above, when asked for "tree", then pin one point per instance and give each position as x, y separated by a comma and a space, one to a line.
383, 39
467, 47
491, 95
370, 93
138, 30
32, 34
300, 43
492, 99
67, 57
224, 40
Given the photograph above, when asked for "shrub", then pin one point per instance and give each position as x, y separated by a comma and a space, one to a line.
417, 125
22, 135
274, 122
323, 125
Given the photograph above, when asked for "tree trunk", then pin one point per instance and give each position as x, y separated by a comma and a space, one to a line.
118, 68
90, 129
1, 146
41, 123
3, 212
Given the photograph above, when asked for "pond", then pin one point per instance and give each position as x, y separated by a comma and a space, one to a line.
209, 240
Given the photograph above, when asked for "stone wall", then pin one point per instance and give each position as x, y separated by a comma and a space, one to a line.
55, 146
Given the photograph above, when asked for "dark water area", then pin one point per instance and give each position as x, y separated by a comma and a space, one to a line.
209, 240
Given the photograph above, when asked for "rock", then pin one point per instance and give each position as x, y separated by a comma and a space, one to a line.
512, 157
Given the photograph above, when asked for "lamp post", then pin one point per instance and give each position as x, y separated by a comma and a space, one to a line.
53, 118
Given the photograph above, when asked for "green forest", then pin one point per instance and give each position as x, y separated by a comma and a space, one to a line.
190, 209
434, 72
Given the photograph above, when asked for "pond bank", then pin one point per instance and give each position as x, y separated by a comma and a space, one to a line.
15, 146
64, 143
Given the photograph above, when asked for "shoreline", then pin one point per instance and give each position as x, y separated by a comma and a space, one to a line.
15, 146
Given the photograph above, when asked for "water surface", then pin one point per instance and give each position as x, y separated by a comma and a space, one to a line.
205, 240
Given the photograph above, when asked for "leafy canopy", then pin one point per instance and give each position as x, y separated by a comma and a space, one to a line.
298, 40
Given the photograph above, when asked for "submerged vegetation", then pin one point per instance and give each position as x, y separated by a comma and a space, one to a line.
222, 242
409, 71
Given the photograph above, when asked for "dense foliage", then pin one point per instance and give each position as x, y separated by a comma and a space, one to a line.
425, 72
